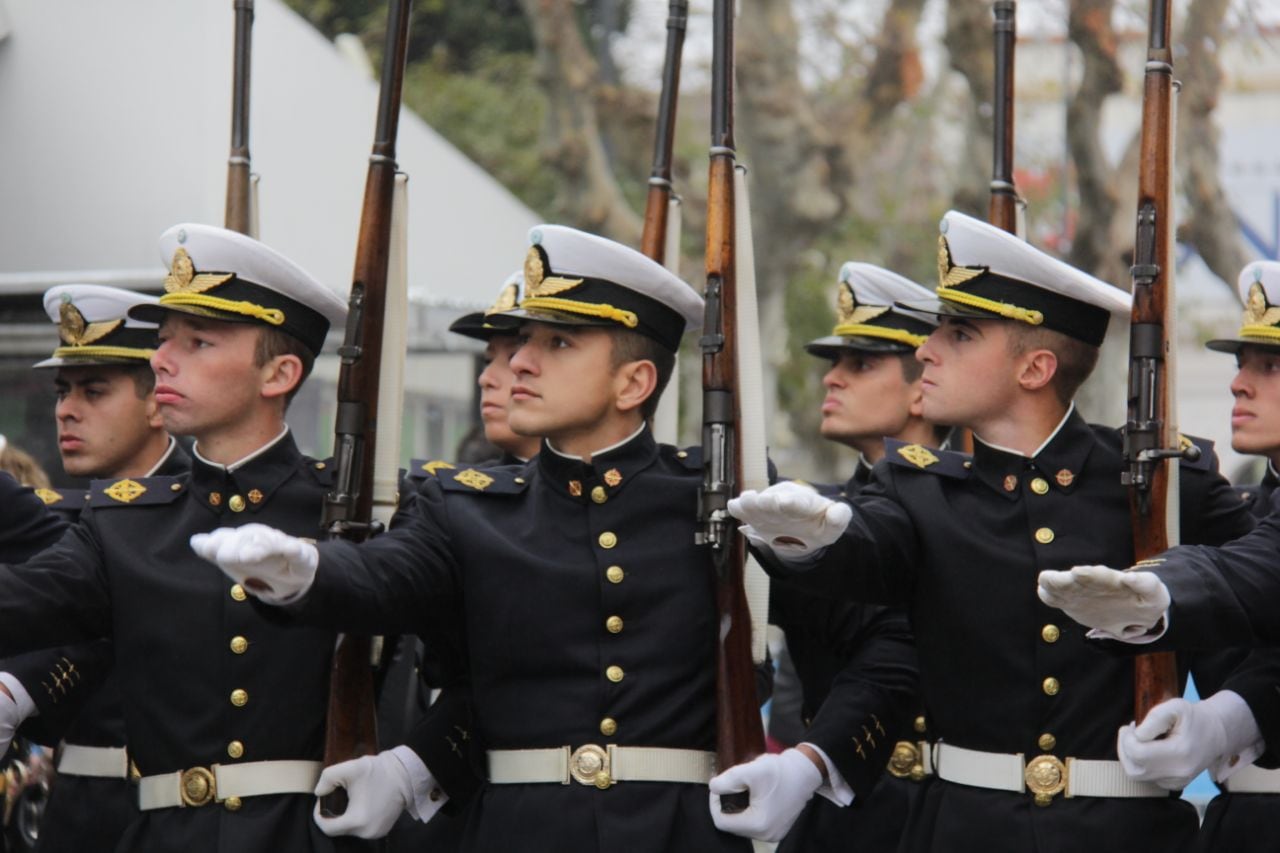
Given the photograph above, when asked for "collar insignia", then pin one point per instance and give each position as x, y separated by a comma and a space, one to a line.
918, 455
849, 312
1065, 478
124, 491
75, 332
182, 277
949, 275
613, 476
536, 281
473, 478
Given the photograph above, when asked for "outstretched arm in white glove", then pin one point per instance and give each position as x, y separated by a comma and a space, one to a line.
792, 520
274, 566
780, 785
379, 787
1117, 605
15, 706
1178, 739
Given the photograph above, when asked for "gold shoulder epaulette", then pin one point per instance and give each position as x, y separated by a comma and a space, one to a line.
932, 460
143, 491
506, 480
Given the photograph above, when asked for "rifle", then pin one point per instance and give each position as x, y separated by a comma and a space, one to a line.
739, 731
1003, 211
358, 506
239, 215
653, 243
1150, 434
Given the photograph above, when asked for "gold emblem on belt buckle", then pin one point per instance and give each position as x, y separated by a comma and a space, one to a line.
905, 760
1046, 777
589, 765
198, 787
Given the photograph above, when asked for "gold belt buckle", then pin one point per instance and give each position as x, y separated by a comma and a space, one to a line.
906, 761
589, 765
198, 786
1046, 777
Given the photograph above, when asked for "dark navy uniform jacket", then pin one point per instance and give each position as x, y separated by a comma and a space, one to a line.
961, 541
539, 558
126, 572
83, 813
857, 669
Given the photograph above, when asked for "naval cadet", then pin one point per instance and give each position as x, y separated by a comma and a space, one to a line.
590, 619
1024, 710
224, 710
108, 427
844, 652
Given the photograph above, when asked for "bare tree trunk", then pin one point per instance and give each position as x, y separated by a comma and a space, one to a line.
1211, 224
969, 40
590, 196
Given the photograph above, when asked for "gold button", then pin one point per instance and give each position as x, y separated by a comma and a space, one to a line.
681, 454
1044, 535
519, 481
1051, 686
235, 749
319, 466
236, 503
614, 674
232, 804
920, 724
175, 487
603, 780
599, 495
239, 697
608, 539
613, 624
614, 574
1050, 633
1040, 485
608, 727
1047, 741
238, 593
239, 645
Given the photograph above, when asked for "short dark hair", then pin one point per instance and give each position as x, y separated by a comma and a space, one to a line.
1076, 359
631, 346
144, 378
273, 343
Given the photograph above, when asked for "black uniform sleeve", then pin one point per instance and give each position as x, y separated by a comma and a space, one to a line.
28, 527
857, 724
443, 740
60, 682
874, 560
1210, 509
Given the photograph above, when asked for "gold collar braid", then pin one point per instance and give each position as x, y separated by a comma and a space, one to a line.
274, 316
902, 336
103, 351
1004, 309
586, 309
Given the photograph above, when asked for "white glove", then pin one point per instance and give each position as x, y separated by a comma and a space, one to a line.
1178, 739
10, 719
1120, 605
780, 786
791, 519
378, 790
274, 566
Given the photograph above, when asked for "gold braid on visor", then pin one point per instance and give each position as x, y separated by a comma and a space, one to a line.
274, 316
902, 336
103, 352
1270, 333
586, 309
1004, 309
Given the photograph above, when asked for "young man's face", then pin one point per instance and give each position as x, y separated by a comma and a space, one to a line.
1255, 419
104, 426
206, 379
495, 397
867, 397
969, 376
564, 380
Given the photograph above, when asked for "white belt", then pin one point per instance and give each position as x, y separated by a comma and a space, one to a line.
100, 762
1044, 775
228, 783
601, 766
1253, 780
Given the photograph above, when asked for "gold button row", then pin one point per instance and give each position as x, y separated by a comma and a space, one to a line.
613, 624
239, 645
1050, 633
615, 574
1044, 535
599, 495
1051, 686
608, 539
1047, 742
608, 727
1040, 486
235, 749
238, 593
614, 674
239, 697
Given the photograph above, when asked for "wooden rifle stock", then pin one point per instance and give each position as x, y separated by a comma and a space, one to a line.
653, 242
239, 203
1003, 210
1151, 441
348, 509
739, 731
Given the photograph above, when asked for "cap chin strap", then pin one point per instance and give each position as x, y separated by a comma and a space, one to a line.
862, 330
586, 309
1270, 333
103, 351
273, 316
1004, 309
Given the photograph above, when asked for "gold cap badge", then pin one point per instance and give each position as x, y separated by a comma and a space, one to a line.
75, 331
536, 281
182, 277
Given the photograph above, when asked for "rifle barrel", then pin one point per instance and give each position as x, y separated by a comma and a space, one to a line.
239, 204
